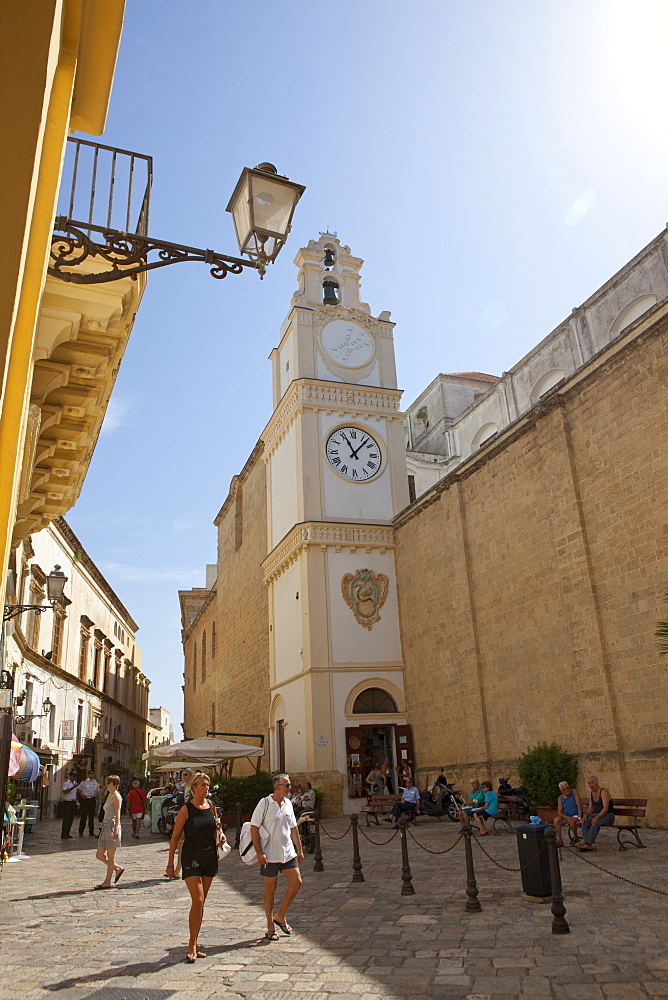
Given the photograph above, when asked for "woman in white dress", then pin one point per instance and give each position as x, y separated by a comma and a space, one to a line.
110, 833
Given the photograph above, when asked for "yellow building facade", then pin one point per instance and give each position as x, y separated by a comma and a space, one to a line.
60, 345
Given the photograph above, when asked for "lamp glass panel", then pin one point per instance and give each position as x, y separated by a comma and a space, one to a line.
55, 585
241, 214
272, 204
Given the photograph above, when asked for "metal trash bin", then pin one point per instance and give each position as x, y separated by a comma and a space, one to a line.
534, 860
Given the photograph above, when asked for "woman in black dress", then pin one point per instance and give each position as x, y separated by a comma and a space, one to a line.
196, 820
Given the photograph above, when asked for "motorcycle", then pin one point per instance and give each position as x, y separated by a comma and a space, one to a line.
443, 800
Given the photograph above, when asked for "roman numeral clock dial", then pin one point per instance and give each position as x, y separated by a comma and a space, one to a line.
354, 454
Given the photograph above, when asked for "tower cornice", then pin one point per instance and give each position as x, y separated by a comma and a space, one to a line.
323, 535
344, 398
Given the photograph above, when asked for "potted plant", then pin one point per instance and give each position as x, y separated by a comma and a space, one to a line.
540, 770
21, 697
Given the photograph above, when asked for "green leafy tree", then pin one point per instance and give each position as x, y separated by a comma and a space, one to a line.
662, 635
248, 791
541, 769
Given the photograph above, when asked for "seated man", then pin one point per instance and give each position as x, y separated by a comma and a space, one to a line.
308, 798
410, 802
569, 810
600, 812
476, 797
489, 810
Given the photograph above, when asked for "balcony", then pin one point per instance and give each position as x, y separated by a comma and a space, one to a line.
83, 326
84, 747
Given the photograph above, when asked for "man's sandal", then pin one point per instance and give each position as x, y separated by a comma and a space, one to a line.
272, 936
285, 927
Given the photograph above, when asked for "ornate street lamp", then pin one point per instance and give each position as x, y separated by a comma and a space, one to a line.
55, 585
262, 207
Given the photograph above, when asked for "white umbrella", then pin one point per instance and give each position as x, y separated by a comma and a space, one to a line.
179, 765
207, 749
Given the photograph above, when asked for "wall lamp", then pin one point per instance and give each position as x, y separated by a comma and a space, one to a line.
55, 586
261, 206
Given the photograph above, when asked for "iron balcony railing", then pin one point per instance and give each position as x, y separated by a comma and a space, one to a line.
105, 187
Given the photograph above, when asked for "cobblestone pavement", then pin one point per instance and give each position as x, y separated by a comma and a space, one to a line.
364, 941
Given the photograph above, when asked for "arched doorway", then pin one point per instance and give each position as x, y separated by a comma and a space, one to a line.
376, 730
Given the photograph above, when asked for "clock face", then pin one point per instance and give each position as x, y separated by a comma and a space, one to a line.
346, 343
353, 453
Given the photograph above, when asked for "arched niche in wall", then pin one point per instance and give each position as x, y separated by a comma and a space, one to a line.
546, 382
374, 691
631, 312
483, 434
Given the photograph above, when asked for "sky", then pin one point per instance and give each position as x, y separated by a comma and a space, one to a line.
492, 163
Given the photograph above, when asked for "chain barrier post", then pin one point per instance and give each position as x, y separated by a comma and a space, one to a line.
317, 854
559, 922
407, 888
358, 875
472, 901
237, 823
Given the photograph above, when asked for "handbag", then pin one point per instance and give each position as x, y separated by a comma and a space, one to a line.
222, 847
246, 852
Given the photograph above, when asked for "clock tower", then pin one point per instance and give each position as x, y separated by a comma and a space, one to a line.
336, 476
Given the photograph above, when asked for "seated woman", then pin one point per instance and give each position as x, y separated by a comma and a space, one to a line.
490, 809
569, 810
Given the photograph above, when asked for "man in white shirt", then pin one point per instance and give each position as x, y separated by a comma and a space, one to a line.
68, 805
282, 852
308, 798
87, 792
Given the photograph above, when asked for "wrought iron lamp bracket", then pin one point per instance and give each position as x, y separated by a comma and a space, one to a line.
14, 610
127, 254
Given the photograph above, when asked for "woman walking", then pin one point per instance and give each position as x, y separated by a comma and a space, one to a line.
196, 821
110, 833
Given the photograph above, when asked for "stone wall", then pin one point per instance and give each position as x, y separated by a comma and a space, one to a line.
330, 783
234, 697
531, 579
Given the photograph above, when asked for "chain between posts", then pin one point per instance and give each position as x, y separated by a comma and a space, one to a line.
427, 849
344, 834
578, 854
378, 843
506, 868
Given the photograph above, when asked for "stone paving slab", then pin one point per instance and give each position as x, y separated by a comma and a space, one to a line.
363, 941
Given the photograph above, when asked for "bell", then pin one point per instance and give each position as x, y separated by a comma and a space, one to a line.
329, 297
330, 258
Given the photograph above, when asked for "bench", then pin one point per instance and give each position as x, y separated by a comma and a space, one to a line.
508, 809
379, 804
630, 809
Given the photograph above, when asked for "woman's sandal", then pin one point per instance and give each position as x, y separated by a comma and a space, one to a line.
272, 936
200, 954
191, 959
102, 887
118, 875
285, 927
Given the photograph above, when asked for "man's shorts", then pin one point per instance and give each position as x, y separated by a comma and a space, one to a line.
485, 815
272, 869
203, 865
137, 815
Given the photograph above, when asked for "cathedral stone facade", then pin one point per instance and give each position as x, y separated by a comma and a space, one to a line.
449, 587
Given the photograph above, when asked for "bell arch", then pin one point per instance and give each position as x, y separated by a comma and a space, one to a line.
483, 434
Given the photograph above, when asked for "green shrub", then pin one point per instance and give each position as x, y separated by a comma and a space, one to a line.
248, 791
541, 769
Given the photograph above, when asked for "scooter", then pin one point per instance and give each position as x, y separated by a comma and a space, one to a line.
443, 800
306, 827
168, 812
